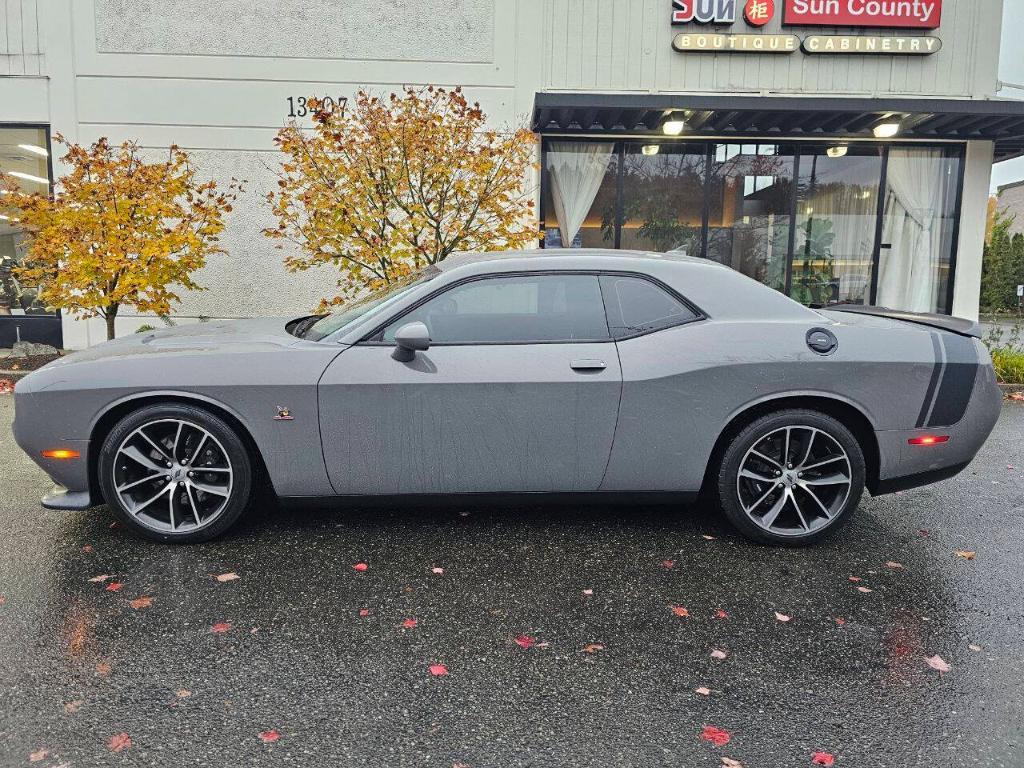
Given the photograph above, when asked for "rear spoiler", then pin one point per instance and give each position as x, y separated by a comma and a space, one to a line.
958, 325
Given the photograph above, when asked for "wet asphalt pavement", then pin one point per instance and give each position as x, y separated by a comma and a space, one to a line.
609, 681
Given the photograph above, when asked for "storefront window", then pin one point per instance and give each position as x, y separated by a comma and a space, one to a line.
23, 160
917, 229
663, 197
808, 219
579, 196
750, 191
837, 215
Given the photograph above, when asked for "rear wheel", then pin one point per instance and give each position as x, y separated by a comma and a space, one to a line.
791, 477
175, 473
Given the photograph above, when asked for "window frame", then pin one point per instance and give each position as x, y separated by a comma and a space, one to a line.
375, 337
697, 314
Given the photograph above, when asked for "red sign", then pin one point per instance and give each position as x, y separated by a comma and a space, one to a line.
902, 14
759, 12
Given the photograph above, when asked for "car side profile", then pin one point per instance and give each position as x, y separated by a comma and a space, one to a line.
558, 371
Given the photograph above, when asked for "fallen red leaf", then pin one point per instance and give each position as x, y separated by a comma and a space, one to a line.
364, 612
525, 642
702, 691
678, 610
221, 627
936, 662
668, 564
822, 758
893, 564
141, 602
855, 578
593, 648
6, 386
114, 586
437, 571
716, 736
119, 742
720, 614
438, 670
87, 548
717, 654
840, 622
865, 590
269, 737
360, 567
102, 668
409, 623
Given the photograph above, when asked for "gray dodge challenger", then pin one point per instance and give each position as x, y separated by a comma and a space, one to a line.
609, 373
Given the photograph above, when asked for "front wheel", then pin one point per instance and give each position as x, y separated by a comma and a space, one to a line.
175, 473
791, 477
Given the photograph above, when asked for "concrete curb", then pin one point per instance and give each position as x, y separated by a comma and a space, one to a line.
1010, 389
14, 375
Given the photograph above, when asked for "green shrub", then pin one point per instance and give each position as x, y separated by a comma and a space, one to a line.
1009, 365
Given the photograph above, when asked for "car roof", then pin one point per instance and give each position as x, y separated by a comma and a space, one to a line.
570, 258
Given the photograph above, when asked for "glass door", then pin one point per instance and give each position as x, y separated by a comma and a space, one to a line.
836, 224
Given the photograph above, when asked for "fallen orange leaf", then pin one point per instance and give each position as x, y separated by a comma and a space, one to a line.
141, 602
221, 627
678, 610
227, 577
119, 742
966, 555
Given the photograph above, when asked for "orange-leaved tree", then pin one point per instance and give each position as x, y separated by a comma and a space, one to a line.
385, 185
118, 231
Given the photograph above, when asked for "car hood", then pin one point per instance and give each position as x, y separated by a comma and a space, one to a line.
215, 335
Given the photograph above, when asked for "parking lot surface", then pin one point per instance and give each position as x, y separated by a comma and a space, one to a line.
567, 635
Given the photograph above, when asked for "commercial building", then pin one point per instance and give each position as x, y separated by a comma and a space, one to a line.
838, 150
1010, 202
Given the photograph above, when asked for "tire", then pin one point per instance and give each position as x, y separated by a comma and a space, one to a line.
197, 497
774, 504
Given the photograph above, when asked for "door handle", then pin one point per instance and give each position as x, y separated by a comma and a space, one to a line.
588, 365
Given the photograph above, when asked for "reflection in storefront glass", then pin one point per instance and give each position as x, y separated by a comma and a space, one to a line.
750, 195
23, 160
663, 197
837, 214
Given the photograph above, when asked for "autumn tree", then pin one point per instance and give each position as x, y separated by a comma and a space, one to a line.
384, 186
118, 231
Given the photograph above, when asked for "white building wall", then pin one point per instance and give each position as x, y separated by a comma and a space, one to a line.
214, 78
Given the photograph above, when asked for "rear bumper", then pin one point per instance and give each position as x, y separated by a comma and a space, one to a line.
903, 466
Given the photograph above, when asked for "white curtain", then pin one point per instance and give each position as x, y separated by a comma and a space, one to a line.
908, 272
577, 170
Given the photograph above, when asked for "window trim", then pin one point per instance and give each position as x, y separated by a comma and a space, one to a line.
697, 314
375, 337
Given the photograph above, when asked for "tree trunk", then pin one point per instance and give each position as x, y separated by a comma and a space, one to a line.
111, 315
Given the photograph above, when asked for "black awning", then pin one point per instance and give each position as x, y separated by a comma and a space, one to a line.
797, 117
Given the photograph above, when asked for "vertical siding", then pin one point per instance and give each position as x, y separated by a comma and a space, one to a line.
20, 51
626, 45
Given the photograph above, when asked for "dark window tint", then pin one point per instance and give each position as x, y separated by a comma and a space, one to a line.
637, 306
513, 310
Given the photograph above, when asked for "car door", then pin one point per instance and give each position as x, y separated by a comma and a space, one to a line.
519, 391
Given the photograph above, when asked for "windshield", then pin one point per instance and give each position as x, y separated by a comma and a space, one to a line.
368, 305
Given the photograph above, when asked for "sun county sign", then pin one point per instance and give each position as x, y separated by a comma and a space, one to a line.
867, 14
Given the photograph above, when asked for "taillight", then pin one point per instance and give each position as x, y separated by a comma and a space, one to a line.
929, 440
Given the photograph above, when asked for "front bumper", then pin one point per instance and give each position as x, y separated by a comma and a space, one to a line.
35, 433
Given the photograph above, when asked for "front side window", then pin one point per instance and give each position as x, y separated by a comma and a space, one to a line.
638, 306
513, 310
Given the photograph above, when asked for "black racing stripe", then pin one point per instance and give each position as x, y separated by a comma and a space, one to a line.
957, 382
933, 382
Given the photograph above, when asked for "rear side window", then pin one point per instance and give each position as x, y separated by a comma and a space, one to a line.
639, 306
513, 310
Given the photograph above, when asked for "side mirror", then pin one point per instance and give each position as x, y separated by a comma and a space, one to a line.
410, 339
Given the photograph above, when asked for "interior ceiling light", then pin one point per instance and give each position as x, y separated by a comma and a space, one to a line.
887, 130
34, 150
650, 149
838, 151
29, 177
674, 124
